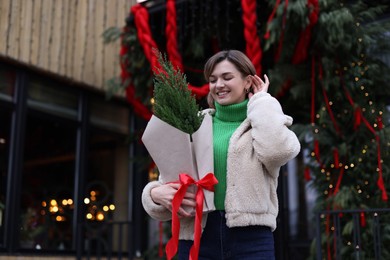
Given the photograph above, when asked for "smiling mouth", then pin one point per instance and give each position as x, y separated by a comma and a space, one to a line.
222, 93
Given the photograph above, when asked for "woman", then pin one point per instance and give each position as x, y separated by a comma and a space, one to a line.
251, 142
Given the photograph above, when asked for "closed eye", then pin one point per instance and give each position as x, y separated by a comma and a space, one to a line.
225, 77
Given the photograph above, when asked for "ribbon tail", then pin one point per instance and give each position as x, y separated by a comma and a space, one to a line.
194, 252
172, 245
207, 182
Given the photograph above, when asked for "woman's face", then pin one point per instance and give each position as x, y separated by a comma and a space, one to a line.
227, 85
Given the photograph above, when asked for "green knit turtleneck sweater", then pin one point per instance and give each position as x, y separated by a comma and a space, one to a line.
225, 121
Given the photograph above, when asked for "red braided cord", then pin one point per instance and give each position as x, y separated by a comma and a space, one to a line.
172, 49
171, 34
253, 48
141, 20
139, 108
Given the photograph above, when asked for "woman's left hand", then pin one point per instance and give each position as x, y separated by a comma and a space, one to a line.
258, 85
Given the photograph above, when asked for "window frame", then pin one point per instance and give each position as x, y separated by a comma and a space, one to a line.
21, 108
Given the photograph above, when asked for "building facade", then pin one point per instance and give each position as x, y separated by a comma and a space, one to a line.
70, 172
67, 183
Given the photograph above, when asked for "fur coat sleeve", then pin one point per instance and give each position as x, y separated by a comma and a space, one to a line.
274, 143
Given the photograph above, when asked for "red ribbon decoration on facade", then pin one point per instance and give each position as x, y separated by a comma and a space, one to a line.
144, 34
307, 174
359, 117
139, 108
141, 19
284, 19
172, 49
270, 18
313, 90
380, 122
281, 39
171, 34
337, 187
336, 126
304, 39
363, 222
253, 48
207, 182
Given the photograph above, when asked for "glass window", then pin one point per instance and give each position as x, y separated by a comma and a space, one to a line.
106, 192
108, 172
7, 84
48, 184
109, 115
49, 161
5, 123
51, 98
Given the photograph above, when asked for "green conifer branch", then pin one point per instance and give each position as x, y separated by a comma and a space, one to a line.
174, 102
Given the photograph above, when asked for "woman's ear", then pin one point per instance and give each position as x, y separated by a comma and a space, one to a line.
248, 82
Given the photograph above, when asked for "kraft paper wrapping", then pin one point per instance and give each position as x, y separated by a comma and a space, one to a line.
174, 152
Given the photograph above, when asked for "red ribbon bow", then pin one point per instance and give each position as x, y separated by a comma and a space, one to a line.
207, 182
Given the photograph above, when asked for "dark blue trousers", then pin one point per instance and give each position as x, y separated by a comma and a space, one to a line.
219, 242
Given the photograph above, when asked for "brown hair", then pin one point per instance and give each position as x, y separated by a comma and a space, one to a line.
237, 58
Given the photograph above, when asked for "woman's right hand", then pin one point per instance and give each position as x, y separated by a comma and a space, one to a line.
164, 194
258, 85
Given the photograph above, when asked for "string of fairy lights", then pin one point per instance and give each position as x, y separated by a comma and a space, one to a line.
360, 69
369, 148
94, 211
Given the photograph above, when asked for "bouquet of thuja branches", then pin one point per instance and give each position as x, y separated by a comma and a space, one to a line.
173, 101
178, 136
179, 139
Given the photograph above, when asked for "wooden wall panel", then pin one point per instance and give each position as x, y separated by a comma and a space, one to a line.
56, 36
89, 42
80, 39
35, 33
108, 59
25, 31
45, 34
99, 23
71, 37
64, 36
5, 7
14, 29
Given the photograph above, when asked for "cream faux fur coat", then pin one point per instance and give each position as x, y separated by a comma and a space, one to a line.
258, 148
